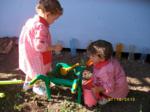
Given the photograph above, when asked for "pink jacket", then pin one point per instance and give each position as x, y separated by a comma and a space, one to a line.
112, 78
34, 57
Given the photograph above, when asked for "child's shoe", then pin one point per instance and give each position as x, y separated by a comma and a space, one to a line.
103, 101
26, 86
39, 90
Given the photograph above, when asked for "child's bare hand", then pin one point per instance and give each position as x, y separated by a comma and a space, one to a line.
58, 47
97, 89
87, 74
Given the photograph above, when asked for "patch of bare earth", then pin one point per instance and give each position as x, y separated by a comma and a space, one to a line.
138, 100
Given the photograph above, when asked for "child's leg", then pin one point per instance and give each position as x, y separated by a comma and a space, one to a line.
90, 98
26, 83
27, 78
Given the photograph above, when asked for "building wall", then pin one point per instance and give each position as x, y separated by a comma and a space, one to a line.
86, 20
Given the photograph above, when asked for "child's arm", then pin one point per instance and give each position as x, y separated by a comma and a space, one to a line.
41, 40
97, 89
57, 47
107, 82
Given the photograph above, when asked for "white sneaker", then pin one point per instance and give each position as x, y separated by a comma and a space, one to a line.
103, 101
26, 86
39, 90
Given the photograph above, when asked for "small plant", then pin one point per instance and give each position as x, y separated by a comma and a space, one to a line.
18, 107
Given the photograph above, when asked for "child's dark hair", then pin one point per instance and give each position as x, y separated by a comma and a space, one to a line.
101, 48
52, 6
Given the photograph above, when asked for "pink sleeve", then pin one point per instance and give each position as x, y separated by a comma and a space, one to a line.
106, 80
40, 41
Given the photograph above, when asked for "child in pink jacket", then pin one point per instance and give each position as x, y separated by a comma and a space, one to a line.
108, 79
35, 47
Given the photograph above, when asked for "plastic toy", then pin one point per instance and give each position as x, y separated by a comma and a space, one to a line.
67, 70
89, 63
11, 82
2, 95
132, 49
6, 82
144, 55
73, 47
119, 49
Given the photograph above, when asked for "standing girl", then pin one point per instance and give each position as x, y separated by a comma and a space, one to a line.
35, 47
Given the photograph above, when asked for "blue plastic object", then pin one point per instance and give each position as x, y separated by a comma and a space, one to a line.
73, 46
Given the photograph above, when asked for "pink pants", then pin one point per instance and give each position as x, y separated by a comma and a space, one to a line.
90, 98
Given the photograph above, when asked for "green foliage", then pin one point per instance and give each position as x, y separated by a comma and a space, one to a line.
18, 107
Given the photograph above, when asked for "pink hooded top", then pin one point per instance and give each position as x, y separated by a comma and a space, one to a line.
34, 57
111, 76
